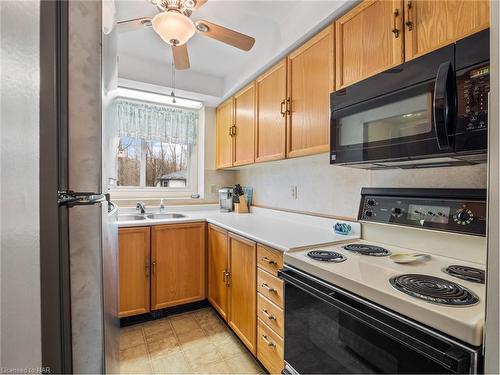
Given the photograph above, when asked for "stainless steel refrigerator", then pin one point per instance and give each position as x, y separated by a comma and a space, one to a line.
79, 241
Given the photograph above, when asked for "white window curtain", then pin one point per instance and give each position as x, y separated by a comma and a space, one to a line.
156, 122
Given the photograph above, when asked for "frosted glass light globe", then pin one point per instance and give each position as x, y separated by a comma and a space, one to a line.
174, 28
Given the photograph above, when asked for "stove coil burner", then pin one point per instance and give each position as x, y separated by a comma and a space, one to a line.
372, 250
326, 256
434, 289
472, 274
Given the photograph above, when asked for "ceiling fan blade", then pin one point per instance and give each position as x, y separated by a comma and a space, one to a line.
181, 57
225, 35
199, 4
134, 24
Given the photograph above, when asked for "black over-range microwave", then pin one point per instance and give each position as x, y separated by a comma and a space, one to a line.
431, 111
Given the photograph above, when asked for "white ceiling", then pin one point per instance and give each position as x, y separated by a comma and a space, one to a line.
216, 68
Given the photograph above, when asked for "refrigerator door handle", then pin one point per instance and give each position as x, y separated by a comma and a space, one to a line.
70, 198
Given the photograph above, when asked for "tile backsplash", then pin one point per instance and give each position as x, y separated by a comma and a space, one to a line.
311, 184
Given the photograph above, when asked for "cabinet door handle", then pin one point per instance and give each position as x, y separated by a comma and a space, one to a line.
224, 276
270, 261
228, 278
234, 130
289, 105
266, 340
395, 30
148, 268
153, 264
230, 131
269, 316
269, 289
409, 23
283, 108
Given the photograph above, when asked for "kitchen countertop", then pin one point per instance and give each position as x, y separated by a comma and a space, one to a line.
280, 230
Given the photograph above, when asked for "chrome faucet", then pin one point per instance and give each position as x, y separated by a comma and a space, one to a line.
141, 206
162, 206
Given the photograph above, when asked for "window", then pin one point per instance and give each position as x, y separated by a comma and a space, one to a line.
156, 147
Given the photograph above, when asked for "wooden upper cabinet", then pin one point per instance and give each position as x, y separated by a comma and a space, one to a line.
430, 24
242, 293
244, 120
218, 269
369, 40
270, 126
224, 139
310, 82
134, 270
177, 264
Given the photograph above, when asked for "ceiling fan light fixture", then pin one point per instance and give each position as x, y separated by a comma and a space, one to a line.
173, 27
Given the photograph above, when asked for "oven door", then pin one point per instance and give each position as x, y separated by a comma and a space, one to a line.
413, 123
329, 331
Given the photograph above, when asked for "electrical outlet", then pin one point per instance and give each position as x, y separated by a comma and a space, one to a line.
293, 191
213, 189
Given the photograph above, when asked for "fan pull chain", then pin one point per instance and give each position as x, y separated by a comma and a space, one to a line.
172, 94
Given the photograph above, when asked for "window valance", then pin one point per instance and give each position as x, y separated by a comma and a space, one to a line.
156, 122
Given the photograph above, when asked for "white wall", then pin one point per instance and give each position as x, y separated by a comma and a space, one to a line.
20, 250
335, 190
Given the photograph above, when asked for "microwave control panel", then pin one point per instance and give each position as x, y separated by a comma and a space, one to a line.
463, 216
473, 87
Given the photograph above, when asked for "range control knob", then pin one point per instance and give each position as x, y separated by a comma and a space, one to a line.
397, 212
368, 213
370, 202
463, 216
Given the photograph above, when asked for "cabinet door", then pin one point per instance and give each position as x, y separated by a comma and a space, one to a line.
218, 268
242, 294
270, 126
244, 119
178, 264
224, 139
310, 81
369, 40
433, 24
134, 271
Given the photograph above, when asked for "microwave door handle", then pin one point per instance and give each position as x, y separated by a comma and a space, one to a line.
444, 104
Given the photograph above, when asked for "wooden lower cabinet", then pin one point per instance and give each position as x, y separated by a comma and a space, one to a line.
270, 306
134, 270
232, 266
242, 295
218, 269
177, 264
270, 349
271, 314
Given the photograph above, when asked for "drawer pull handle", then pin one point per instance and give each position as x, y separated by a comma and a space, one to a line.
269, 289
266, 340
270, 261
269, 316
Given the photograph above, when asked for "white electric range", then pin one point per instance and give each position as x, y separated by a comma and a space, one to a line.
349, 308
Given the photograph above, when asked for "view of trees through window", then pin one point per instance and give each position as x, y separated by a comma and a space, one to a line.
152, 163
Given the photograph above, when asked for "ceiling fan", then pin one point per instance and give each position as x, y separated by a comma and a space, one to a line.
175, 27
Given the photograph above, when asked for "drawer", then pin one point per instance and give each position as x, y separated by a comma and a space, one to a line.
269, 349
269, 259
270, 287
271, 314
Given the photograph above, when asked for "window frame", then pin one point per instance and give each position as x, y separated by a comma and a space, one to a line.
195, 180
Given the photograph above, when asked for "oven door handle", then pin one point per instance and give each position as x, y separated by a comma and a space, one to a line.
454, 360
444, 105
